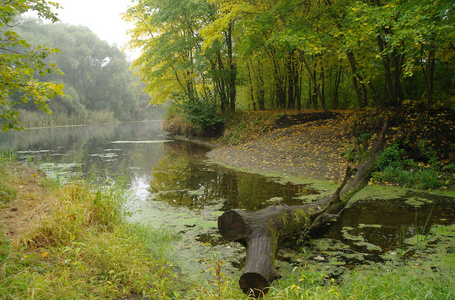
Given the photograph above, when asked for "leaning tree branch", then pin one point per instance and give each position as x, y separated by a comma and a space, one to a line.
260, 231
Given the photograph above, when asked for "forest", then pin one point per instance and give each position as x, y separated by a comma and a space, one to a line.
246, 55
318, 54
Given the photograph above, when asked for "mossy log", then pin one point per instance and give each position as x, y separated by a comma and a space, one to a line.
261, 231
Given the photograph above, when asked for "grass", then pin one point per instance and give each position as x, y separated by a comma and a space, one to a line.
83, 248
372, 282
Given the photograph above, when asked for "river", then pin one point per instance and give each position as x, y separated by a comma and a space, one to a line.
174, 187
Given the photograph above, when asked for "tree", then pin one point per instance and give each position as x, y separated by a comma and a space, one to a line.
281, 54
168, 33
97, 75
400, 36
20, 64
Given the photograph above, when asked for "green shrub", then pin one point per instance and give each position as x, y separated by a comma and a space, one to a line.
390, 157
202, 112
350, 155
431, 174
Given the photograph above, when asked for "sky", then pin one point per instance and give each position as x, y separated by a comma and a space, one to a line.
103, 17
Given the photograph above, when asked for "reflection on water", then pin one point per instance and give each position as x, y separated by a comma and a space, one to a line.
173, 172
130, 149
385, 223
182, 182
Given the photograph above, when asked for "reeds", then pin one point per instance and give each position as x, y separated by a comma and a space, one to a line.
33, 119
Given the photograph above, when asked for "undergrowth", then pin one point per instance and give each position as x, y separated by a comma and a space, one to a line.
239, 127
394, 167
31, 119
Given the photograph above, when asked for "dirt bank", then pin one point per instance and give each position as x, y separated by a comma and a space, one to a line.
310, 145
311, 150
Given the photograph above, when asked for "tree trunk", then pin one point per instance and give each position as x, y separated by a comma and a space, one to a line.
232, 89
336, 97
250, 81
260, 231
313, 79
221, 84
322, 81
390, 87
261, 89
298, 88
356, 79
428, 72
290, 81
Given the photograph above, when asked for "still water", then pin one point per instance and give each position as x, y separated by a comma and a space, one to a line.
176, 188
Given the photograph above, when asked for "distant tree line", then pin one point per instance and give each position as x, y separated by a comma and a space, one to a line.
92, 75
293, 54
97, 76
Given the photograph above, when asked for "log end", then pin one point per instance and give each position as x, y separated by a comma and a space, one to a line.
254, 284
232, 226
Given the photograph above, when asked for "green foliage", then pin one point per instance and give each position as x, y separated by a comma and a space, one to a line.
393, 168
203, 113
97, 75
390, 157
294, 54
20, 64
350, 155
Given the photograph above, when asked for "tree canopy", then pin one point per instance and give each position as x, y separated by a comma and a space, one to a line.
296, 54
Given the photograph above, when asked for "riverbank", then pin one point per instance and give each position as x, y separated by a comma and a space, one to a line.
72, 241
301, 146
311, 151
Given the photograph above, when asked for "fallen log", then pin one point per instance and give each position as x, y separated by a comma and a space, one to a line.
261, 231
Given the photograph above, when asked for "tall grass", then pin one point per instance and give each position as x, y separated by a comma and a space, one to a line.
31, 119
7, 193
83, 248
373, 282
